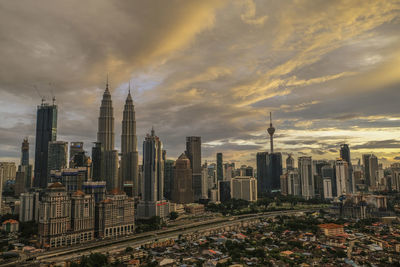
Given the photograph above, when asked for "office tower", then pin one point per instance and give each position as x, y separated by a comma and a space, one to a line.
306, 177
24, 174
25, 152
105, 136
168, 178
54, 226
58, 156
46, 131
95, 188
26, 208
183, 192
80, 160
82, 216
250, 171
244, 187
152, 203
342, 177
318, 178
71, 178
97, 162
129, 154
115, 215
204, 181
220, 170
193, 152
327, 183
228, 172
224, 189
274, 167
284, 184
345, 155
9, 171
262, 172
373, 170
328, 172
1, 190
271, 131
19, 186
290, 163
74, 149
111, 169
294, 186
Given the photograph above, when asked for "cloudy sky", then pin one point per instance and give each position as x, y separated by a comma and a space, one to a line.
328, 70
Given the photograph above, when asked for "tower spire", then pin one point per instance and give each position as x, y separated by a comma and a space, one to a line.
107, 83
271, 131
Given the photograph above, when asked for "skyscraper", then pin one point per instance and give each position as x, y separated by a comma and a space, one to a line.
129, 154
328, 172
274, 167
289, 163
74, 149
306, 177
46, 131
373, 170
105, 136
271, 131
58, 156
152, 203
370, 168
168, 178
97, 162
270, 165
25, 152
345, 155
342, 177
193, 152
262, 172
182, 189
220, 168
25, 169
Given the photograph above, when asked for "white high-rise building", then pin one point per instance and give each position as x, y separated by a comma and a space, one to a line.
244, 187
306, 177
294, 187
327, 188
26, 210
342, 177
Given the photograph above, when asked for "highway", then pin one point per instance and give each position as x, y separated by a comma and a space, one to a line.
107, 245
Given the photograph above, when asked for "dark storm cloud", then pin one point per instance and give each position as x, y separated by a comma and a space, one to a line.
392, 143
209, 68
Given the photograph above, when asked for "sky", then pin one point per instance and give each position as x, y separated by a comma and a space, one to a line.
327, 70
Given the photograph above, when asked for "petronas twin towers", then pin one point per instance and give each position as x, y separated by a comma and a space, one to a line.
127, 178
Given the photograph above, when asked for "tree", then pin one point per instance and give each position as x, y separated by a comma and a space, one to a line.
128, 249
173, 215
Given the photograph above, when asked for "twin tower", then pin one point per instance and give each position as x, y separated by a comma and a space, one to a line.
105, 157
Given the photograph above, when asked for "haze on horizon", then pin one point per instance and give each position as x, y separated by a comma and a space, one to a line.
327, 70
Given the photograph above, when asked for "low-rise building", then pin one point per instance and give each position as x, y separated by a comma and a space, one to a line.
331, 229
10, 226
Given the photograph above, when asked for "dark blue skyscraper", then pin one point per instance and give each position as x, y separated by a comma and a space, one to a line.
262, 172
220, 172
274, 167
46, 131
345, 155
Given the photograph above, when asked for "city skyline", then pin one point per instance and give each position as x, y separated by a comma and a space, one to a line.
336, 84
